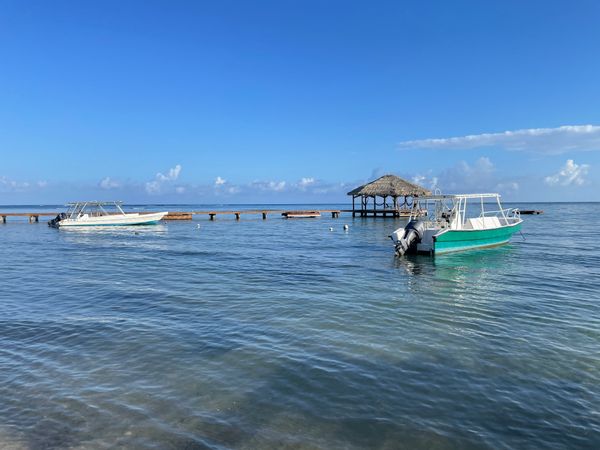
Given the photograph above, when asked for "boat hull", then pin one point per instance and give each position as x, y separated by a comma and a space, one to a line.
460, 240
114, 220
301, 214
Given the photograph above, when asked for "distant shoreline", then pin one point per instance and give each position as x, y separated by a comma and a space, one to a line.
222, 205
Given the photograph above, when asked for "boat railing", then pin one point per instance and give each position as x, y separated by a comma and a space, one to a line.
506, 215
505, 211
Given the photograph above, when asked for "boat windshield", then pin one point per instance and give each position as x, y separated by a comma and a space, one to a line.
94, 209
463, 211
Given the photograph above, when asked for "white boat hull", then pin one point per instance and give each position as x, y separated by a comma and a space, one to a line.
113, 220
302, 216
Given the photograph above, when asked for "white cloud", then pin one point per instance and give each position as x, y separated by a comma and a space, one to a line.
152, 187
429, 182
42, 184
220, 181
570, 174
305, 183
418, 179
171, 175
464, 177
180, 189
558, 140
155, 186
109, 183
275, 186
9, 185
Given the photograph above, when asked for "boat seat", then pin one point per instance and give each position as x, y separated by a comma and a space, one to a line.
482, 223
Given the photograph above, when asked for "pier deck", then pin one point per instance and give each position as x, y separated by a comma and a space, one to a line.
34, 217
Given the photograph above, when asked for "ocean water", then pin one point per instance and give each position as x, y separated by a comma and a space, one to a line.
282, 334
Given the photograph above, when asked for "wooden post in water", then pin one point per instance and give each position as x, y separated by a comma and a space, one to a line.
237, 216
374, 206
3, 219
264, 215
212, 216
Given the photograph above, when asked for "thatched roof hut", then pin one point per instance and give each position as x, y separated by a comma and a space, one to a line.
392, 186
384, 187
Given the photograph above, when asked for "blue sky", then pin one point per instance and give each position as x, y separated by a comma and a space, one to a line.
297, 101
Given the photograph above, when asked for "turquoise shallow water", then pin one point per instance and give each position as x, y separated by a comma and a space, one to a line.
283, 334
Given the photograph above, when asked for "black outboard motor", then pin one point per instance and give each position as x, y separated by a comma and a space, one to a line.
54, 222
413, 233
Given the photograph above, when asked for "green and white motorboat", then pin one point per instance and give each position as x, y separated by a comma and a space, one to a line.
447, 226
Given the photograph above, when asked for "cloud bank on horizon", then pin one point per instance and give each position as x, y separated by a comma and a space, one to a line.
481, 175
478, 175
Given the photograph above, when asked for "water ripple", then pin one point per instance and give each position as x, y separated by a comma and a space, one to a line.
282, 334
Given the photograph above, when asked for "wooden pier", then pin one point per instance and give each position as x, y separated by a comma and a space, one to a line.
34, 217
335, 213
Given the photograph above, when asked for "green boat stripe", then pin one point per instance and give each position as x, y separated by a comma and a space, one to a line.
455, 240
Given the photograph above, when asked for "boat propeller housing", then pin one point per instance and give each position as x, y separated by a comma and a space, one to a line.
407, 239
58, 218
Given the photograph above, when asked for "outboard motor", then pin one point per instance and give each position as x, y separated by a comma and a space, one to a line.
54, 222
411, 236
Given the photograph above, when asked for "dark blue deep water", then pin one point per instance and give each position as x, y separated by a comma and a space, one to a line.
283, 334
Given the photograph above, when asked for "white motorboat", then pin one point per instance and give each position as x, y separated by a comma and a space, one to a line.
94, 214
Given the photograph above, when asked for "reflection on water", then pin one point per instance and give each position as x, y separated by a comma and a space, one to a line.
284, 334
459, 266
122, 237
115, 230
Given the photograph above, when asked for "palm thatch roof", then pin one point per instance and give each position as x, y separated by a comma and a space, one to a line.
390, 185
